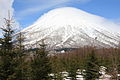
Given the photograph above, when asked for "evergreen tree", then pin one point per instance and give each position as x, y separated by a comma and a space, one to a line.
20, 70
57, 67
20, 39
91, 67
7, 62
72, 68
40, 64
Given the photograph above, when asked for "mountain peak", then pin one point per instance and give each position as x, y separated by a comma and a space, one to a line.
72, 27
67, 16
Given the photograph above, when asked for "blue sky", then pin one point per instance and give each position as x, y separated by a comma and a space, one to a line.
28, 11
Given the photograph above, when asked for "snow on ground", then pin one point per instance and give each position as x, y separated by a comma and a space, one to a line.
79, 75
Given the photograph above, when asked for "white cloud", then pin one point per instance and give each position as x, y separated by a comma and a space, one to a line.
5, 7
45, 4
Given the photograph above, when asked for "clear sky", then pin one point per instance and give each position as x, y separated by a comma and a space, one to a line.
28, 11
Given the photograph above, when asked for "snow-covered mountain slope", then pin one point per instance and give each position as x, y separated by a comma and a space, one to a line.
72, 27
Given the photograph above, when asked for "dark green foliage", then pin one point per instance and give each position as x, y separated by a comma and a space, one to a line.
72, 68
20, 69
7, 60
40, 64
57, 67
11, 57
91, 67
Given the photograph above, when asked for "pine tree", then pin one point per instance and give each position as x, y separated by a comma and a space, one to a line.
20, 39
57, 67
40, 64
72, 68
7, 63
91, 67
19, 50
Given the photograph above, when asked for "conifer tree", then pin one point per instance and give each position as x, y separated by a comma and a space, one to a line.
91, 67
57, 67
19, 50
7, 62
20, 39
40, 64
72, 68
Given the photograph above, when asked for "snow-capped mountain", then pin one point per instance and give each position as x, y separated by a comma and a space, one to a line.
71, 27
